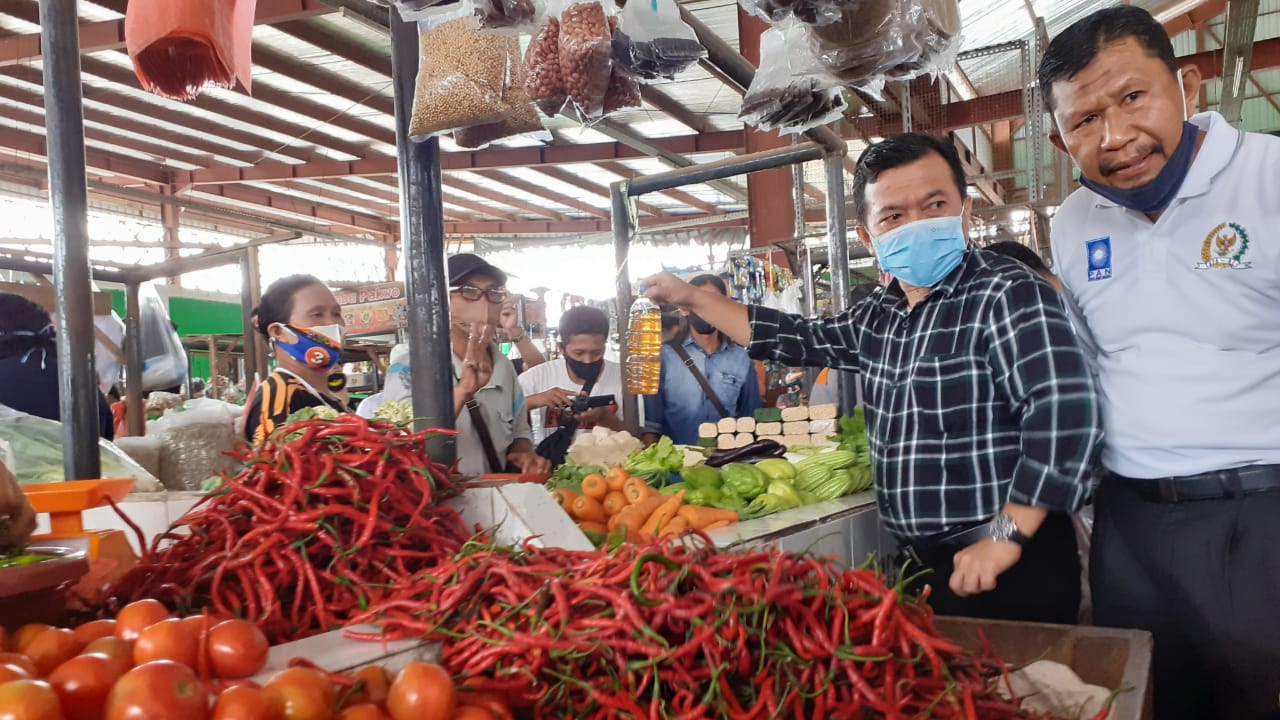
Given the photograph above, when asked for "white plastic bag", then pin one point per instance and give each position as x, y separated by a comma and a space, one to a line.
791, 92
652, 41
35, 446
195, 441
106, 362
164, 362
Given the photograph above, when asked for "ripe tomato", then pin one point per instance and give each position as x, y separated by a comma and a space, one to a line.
83, 683
245, 703
18, 643
302, 694
473, 712
95, 629
9, 673
4, 639
29, 700
51, 648
138, 616
121, 651
237, 649
171, 639
160, 690
422, 691
19, 660
372, 686
363, 711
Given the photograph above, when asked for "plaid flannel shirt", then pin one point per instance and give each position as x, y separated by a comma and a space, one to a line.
976, 397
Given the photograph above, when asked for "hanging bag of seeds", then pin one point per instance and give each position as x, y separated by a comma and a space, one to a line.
653, 43
543, 82
462, 74
520, 117
791, 91
586, 56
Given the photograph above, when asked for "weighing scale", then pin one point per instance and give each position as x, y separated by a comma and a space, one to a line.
108, 551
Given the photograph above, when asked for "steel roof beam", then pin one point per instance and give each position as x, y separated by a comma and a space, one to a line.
545, 194
681, 196
108, 162
568, 178
506, 200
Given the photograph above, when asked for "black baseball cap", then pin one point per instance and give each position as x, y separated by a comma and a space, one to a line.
466, 265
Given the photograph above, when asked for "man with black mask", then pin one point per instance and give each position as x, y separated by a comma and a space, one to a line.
581, 369
705, 377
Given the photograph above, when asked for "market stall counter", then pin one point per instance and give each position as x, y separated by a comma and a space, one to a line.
847, 528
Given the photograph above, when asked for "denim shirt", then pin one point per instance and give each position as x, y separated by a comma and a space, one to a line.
681, 405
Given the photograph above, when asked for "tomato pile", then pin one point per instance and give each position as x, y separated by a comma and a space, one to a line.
146, 665
325, 520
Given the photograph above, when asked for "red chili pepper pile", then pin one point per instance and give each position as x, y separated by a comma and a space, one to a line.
676, 631
327, 519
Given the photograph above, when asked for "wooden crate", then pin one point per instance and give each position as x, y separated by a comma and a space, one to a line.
1110, 658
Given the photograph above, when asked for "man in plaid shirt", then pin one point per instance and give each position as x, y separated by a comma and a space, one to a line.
981, 411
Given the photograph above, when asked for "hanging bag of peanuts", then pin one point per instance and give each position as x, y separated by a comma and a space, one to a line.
791, 92
586, 56
652, 42
543, 82
462, 74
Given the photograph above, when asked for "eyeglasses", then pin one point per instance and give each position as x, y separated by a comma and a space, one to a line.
472, 293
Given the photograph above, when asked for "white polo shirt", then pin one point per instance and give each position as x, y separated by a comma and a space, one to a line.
1181, 318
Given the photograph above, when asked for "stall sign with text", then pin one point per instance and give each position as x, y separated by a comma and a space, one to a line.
373, 308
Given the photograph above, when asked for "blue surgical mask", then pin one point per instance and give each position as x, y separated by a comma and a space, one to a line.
922, 253
1156, 195
318, 348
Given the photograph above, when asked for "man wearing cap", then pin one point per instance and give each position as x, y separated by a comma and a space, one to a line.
493, 427
1171, 268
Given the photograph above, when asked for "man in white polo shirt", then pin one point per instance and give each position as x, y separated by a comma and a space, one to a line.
1170, 257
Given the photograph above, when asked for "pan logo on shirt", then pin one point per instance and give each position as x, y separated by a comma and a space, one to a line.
1224, 248
1099, 253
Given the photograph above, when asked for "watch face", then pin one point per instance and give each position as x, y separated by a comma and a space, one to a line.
1002, 527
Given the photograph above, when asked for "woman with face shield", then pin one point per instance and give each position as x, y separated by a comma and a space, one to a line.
302, 321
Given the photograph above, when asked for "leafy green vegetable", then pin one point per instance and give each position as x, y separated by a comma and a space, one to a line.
853, 436
662, 456
397, 412
570, 475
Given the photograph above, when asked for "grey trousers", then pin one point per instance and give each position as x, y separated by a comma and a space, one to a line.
1204, 578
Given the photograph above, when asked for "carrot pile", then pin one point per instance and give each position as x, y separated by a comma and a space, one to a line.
618, 504
326, 519
681, 630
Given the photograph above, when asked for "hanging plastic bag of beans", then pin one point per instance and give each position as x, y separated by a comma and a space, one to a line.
462, 75
520, 117
178, 47
586, 56
623, 93
791, 92
653, 43
543, 82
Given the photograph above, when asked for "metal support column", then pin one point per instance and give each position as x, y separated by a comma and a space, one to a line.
623, 227
253, 282
422, 230
135, 420
68, 196
838, 252
249, 301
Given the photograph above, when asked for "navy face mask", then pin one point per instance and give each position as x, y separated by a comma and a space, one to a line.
1156, 195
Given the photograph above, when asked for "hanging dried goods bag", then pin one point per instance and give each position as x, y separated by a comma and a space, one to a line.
652, 42
791, 92
520, 117
809, 12
623, 93
180, 46
504, 14
462, 74
543, 82
586, 56
893, 39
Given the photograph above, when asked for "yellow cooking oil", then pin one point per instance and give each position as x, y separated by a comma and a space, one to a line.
644, 348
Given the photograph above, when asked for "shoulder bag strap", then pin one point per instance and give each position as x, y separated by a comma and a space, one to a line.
702, 380
482, 427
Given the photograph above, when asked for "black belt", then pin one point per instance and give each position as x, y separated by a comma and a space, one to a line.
925, 549
1215, 485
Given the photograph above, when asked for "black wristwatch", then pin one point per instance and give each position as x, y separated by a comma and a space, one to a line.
1004, 529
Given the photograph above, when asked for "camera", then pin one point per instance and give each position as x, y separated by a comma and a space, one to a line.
583, 403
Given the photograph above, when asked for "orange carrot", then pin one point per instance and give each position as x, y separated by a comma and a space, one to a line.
587, 508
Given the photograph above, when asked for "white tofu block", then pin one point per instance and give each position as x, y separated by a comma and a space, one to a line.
708, 430
793, 414
743, 439
727, 425
776, 438
795, 440
797, 427
820, 439
774, 428
824, 412
746, 425
825, 427
726, 441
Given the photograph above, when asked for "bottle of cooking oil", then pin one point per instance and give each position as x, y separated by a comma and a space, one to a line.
644, 348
